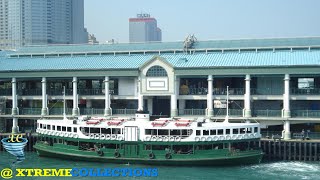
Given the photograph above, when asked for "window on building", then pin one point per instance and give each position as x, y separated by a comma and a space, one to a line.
156, 71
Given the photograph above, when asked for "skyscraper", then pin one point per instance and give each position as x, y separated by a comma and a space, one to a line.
40, 22
144, 28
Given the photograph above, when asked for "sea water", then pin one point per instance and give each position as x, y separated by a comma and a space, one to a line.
271, 170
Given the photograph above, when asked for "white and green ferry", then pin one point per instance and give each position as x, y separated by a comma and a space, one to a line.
164, 141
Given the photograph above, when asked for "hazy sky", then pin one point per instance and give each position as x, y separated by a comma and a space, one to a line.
207, 19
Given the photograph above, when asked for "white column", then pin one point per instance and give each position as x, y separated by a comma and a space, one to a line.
44, 110
209, 97
150, 105
140, 97
75, 110
107, 110
286, 97
247, 97
15, 127
287, 134
173, 103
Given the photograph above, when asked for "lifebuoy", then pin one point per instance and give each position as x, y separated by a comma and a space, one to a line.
120, 138
209, 138
246, 136
222, 138
75, 136
171, 138
215, 138
168, 156
108, 137
100, 153
177, 139
102, 137
91, 136
240, 136
197, 139
203, 139
154, 138
151, 155
113, 137
234, 137
228, 137
165, 138
160, 139
116, 154
148, 138
251, 136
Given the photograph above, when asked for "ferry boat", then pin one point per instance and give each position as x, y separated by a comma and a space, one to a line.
137, 140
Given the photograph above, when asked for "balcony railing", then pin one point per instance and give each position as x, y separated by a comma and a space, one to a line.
59, 92
297, 91
30, 111
232, 91
232, 112
191, 111
59, 111
124, 111
91, 111
306, 113
266, 91
266, 113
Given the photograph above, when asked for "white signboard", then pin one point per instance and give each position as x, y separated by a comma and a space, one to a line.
220, 104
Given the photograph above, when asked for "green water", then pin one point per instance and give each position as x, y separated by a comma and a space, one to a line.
268, 171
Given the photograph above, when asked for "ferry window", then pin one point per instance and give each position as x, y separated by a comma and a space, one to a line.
249, 130
163, 132
235, 131
68, 129
58, 128
220, 131
54, 140
255, 129
198, 132
184, 132
175, 132
44, 126
213, 132
159, 147
49, 127
148, 131
205, 132
64, 128
116, 131
86, 130
60, 141
94, 130
108, 130
227, 131
242, 130
53, 127
40, 125
74, 129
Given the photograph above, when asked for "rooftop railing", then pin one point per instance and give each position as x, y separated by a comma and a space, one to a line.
266, 91
306, 113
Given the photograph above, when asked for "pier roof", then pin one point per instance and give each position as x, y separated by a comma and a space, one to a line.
281, 52
199, 60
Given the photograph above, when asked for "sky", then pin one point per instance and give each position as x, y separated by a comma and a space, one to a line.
206, 19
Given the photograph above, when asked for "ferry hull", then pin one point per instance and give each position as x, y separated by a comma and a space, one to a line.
217, 161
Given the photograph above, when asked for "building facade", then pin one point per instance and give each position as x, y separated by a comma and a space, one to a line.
38, 22
144, 28
273, 81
